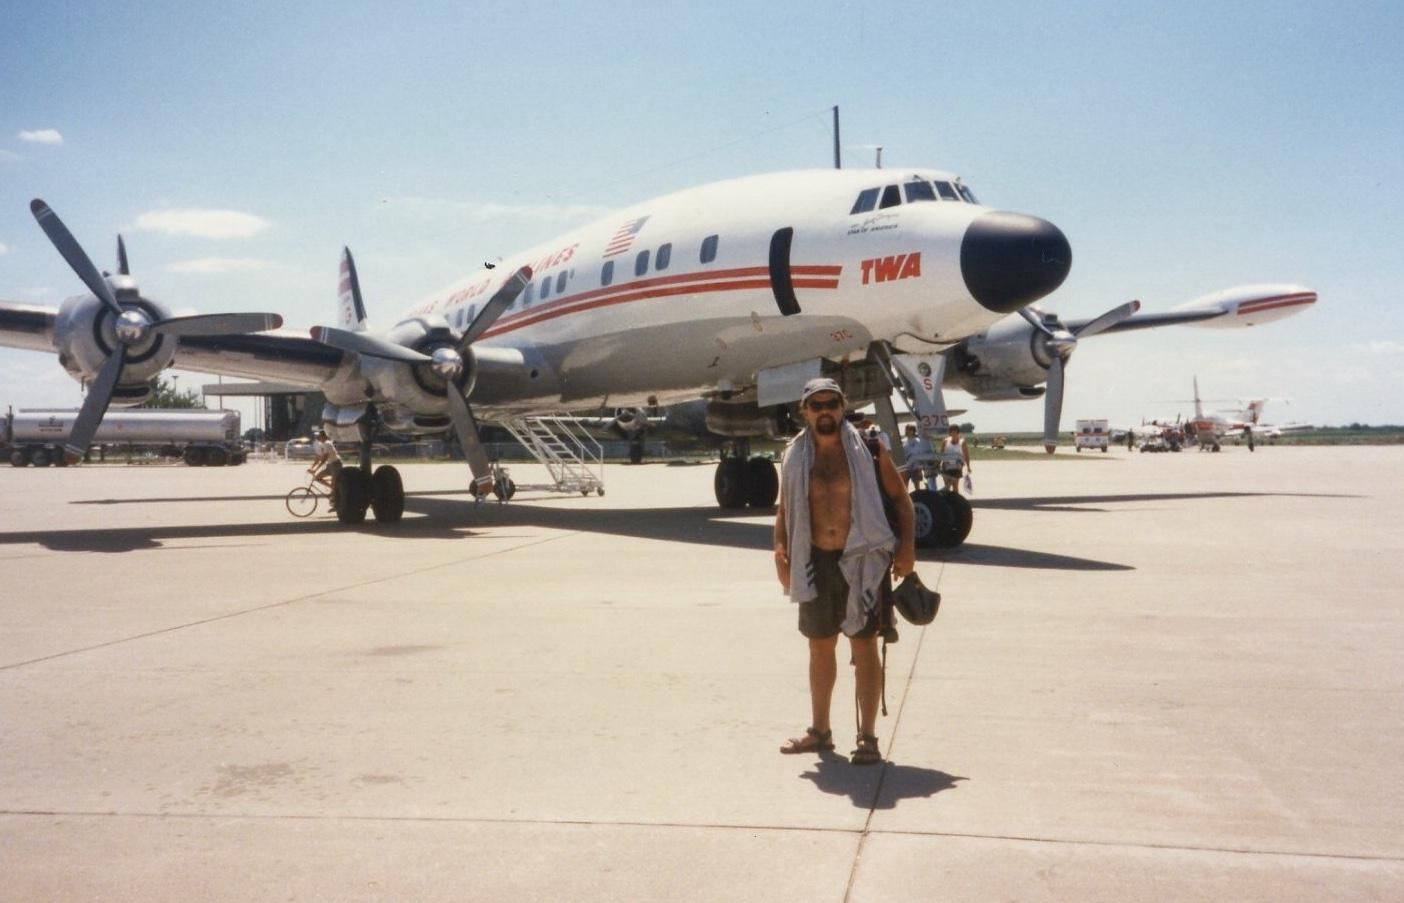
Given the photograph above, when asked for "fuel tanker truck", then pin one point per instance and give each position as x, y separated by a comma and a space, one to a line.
199, 437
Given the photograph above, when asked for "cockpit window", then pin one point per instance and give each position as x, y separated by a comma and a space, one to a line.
919, 191
947, 192
967, 193
891, 197
867, 200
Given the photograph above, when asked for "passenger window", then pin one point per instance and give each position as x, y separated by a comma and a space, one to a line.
560, 282
607, 273
525, 299
967, 193
641, 263
867, 200
545, 288
472, 315
709, 248
891, 197
919, 191
665, 254
947, 192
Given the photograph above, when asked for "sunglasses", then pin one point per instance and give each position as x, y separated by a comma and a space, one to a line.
831, 405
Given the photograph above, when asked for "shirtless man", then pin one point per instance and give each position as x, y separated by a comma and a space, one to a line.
831, 498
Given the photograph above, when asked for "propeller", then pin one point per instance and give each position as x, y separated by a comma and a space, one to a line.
448, 362
1058, 343
131, 325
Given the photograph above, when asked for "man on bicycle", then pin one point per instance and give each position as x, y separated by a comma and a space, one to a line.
327, 463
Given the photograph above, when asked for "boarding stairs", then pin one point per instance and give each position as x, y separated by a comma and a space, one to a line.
571, 456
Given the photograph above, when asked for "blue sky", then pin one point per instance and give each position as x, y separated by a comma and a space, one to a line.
1183, 148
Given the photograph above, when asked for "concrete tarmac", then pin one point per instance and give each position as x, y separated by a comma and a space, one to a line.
1154, 677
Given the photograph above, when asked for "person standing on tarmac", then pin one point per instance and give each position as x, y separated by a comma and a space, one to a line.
955, 455
914, 448
834, 550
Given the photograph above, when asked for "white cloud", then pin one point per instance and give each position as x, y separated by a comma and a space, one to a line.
484, 211
206, 266
41, 136
202, 223
4, 249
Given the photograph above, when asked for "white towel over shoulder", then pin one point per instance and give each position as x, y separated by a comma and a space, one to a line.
867, 553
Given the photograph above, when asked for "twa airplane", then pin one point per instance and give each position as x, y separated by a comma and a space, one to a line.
1012, 358
737, 292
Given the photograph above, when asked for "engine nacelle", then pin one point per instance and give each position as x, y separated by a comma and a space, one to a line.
422, 387
85, 336
1006, 362
744, 420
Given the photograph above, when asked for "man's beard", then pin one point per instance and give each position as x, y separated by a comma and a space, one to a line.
826, 426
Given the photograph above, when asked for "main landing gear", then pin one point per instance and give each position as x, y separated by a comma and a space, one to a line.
742, 480
943, 519
356, 490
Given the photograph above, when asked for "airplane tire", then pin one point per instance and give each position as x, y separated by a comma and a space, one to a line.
962, 519
352, 491
729, 484
505, 488
387, 495
764, 483
934, 518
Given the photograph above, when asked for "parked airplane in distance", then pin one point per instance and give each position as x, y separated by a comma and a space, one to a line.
1244, 424
737, 292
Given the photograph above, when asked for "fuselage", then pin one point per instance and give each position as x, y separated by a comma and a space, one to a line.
696, 292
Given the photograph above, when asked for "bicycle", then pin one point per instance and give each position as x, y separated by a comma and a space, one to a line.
302, 500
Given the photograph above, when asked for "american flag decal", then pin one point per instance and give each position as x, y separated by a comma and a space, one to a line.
621, 240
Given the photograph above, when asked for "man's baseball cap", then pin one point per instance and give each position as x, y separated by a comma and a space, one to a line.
821, 384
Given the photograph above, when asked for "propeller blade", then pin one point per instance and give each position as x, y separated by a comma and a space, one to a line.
94, 406
1109, 319
219, 324
369, 345
122, 258
1053, 405
514, 286
72, 252
1035, 320
466, 428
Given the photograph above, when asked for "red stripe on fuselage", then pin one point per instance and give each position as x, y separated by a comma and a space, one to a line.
1251, 307
743, 278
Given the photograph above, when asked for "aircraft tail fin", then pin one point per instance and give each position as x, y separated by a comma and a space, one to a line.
351, 312
1255, 410
1198, 405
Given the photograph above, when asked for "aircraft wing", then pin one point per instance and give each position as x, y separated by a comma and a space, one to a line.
1150, 321
27, 326
1242, 305
273, 357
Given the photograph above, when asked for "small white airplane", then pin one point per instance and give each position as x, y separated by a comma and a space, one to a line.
1013, 358
1245, 424
737, 292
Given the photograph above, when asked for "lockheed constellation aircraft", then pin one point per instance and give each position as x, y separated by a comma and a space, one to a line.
737, 292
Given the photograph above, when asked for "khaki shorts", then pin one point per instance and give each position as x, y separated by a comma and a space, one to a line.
822, 617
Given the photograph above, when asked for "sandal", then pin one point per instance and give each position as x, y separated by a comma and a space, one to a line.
867, 752
812, 741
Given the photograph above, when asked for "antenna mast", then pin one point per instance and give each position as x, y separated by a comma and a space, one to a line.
838, 164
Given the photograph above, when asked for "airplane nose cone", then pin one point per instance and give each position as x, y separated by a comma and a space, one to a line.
1009, 260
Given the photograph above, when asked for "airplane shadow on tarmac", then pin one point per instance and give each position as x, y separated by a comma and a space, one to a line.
451, 515
877, 788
